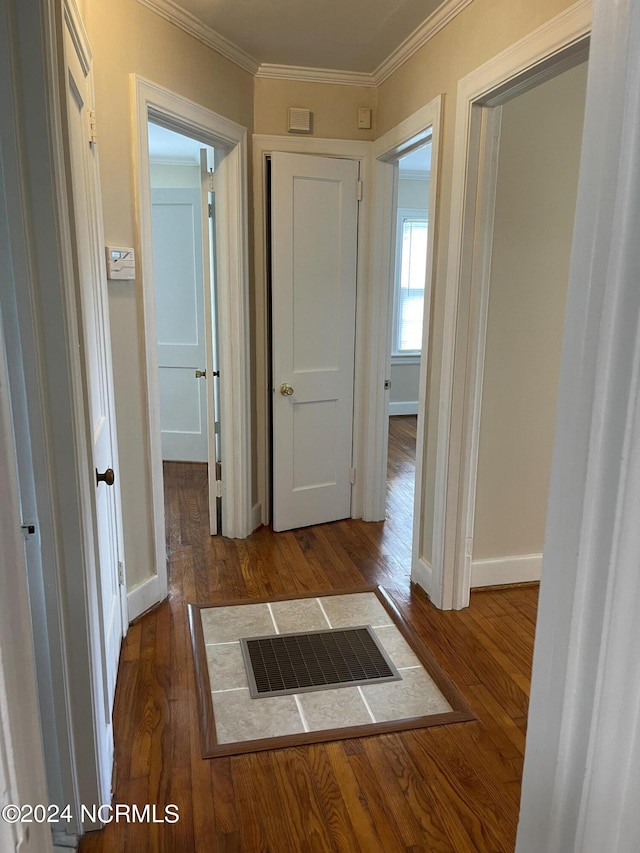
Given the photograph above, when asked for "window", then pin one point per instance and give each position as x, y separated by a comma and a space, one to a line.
411, 266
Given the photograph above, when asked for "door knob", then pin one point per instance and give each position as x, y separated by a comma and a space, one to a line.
108, 477
286, 390
200, 374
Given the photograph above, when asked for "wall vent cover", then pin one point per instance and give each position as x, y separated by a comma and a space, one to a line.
280, 664
299, 120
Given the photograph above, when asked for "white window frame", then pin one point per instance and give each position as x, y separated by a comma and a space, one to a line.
403, 356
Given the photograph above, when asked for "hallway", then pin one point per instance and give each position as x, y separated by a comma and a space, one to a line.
452, 789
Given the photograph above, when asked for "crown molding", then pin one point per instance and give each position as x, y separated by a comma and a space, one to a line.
171, 12
445, 13
423, 33
315, 75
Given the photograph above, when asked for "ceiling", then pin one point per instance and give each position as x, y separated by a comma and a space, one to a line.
417, 161
167, 146
349, 35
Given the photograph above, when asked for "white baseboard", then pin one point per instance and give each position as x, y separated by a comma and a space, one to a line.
422, 574
505, 570
142, 597
408, 407
256, 516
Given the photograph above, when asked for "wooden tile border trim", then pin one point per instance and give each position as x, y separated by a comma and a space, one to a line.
461, 712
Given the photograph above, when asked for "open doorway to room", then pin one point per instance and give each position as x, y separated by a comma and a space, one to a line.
223, 189
510, 251
183, 231
521, 327
410, 236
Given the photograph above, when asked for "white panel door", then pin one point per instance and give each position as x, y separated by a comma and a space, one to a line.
178, 272
107, 596
314, 242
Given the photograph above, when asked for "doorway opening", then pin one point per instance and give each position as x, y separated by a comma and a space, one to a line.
182, 178
410, 233
510, 248
230, 225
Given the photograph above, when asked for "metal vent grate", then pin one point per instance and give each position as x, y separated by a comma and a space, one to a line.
303, 662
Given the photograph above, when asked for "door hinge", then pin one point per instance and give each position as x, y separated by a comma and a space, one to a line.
93, 136
352, 476
359, 190
211, 182
468, 547
121, 572
218, 488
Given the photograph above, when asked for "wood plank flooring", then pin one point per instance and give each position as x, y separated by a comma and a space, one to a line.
448, 789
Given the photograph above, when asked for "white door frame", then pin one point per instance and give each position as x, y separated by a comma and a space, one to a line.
78, 61
232, 290
422, 125
558, 45
263, 146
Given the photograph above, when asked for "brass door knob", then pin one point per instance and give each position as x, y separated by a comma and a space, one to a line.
107, 477
200, 374
286, 390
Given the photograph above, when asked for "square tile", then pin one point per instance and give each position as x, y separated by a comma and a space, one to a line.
358, 608
415, 696
302, 615
396, 646
227, 624
226, 667
334, 709
239, 717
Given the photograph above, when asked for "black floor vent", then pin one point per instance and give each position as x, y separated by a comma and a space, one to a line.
299, 663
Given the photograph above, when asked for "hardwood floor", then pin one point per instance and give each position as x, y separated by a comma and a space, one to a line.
452, 789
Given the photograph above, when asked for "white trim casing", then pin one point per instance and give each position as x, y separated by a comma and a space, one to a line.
346, 149
520, 66
420, 126
187, 117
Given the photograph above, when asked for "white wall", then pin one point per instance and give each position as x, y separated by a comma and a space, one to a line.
535, 203
169, 176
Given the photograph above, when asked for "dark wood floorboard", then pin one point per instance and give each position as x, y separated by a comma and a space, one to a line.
451, 789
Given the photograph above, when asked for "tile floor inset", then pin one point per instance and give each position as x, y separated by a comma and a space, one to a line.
416, 695
356, 608
396, 646
334, 709
227, 624
240, 718
226, 667
297, 616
